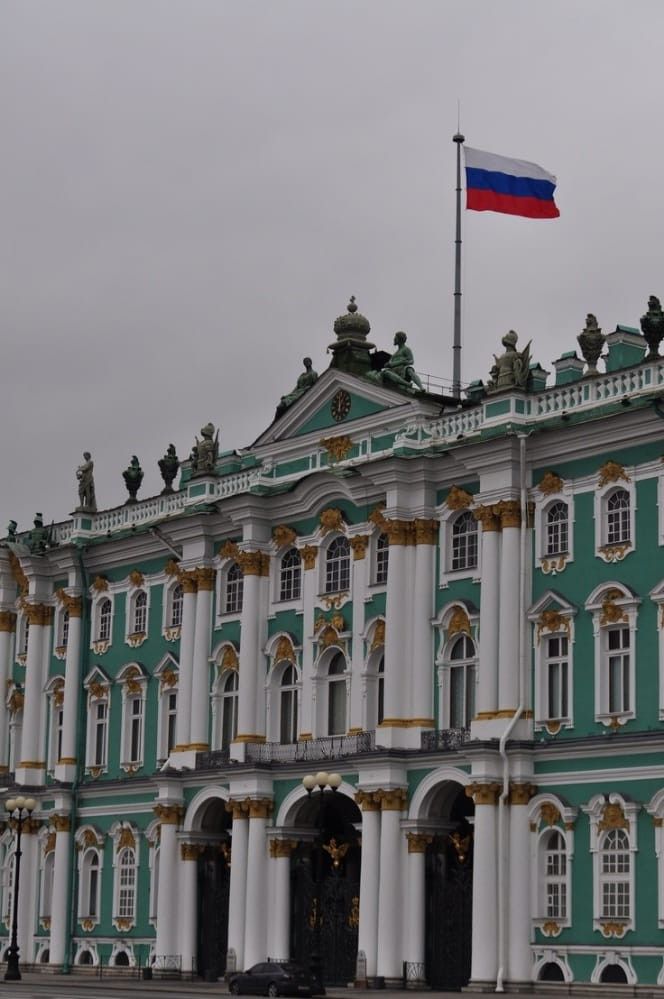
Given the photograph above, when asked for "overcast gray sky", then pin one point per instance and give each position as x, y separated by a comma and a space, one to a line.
191, 189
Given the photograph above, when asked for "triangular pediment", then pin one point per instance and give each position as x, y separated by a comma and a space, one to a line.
341, 402
552, 601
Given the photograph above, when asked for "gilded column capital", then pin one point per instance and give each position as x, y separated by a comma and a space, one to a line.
487, 518
73, 605
426, 532
191, 851
188, 580
393, 800
254, 563
40, 615
368, 801
205, 576
169, 815
483, 794
239, 807
359, 545
399, 532
509, 512
309, 553
61, 823
520, 794
30, 826
418, 842
282, 847
260, 808
7, 621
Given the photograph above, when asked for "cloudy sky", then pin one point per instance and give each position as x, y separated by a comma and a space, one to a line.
190, 190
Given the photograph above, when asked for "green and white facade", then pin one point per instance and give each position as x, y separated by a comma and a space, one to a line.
459, 609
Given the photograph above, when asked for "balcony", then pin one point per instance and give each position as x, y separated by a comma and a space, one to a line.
334, 747
444, 740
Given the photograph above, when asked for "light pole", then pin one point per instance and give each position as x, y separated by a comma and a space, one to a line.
19, 809
319, 783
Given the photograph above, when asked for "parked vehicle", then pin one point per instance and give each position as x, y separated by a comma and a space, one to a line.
274, 979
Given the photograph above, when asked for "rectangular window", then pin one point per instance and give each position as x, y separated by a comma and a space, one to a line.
100, 719
171, 715
557, 677
337, 707
619, 670
135, 706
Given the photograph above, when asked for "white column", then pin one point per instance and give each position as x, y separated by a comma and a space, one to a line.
28, 891
510, 625
187, 910
255, 920
390, 903
518, 893
251, 713
421, 677
31, 768
278, 944
7, 628
485, 858
199, 733
487, 694
415, 903
238, 885
168, 901
367, 939
396, 623
309, 590
61, 885
66, 765
187, 633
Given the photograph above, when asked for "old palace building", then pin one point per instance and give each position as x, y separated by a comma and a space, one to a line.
450, 611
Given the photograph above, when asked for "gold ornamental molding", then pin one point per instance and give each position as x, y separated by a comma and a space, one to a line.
309, 553
359, 545
59, 693
169, 815
172, 568
254, 563
282, 848
33, 764
87, 925
458, 499
378, 640
611, 613
407, 723
418, 842
90, 838
549, 814
283, 535
461, 845
487, 517
136, 577
61, 823
285, 651
39, 615
612, 928
73, 605
368, 801
229, 549
205, 576
126, 840
30, 826
16, 701
332, 519
260, 808
100, 584
426, 531
19, 575
520, 794
613, 817
399, 532
483, 794
337, 448
550, 928
611, 471
131, 679
98, 690
459, 623
377, 516
7, 621
509, 512
238, 807
230, 659
49, 843
393, 800
188, 580
552, 620
168, 679
550, 483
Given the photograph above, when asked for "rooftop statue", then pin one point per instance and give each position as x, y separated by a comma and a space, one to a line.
308, 378
133, 476
168, 466
399, 372
652, 326
205, 452
11, 532
87, 502
39, 538
591, 340
511, 368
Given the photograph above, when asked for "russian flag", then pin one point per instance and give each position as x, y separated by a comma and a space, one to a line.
513, 187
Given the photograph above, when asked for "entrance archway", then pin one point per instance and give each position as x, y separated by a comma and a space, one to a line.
213, 889
325, 887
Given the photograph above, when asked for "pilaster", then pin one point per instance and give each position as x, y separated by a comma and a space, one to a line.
255, 924
65, 768
61, 884
31, 768
237, 901
485, 887
390, 929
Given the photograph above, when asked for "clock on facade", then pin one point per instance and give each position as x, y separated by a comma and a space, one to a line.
340, 406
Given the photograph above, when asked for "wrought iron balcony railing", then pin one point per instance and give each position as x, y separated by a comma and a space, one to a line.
332, 747
443, 740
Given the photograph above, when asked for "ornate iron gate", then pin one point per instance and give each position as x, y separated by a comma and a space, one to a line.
327, 912
213, 895
449, 902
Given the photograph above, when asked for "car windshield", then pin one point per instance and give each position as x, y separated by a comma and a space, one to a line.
292, 968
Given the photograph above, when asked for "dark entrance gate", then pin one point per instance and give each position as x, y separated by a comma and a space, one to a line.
326, 912
213, 895
449, 907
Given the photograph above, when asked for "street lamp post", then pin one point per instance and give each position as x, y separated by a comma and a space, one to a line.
19, 809
319, 783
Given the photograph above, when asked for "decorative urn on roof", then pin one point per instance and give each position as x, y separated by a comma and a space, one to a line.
652, 327
591, 340
351, 350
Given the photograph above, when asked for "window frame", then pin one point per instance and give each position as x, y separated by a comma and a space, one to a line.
100, 695
344, 571
553, 563
547, 814
380, 553
98, 644
613, 607
552, 617
133, 686
168, 675
55, 694
607, 814
462, 620
90, 845
171, 631
220, 697
235, 610
447, 517
614, 551
468, 566
292, 597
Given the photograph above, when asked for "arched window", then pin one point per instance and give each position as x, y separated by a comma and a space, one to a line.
290, 575
234, 589
617, 517
464, 542
88, 904
382, 558
615, 881
126, 867
551, 972
288, 706
613, 974
105, 614
229, 709
140, 612
555, 875
177, 598
463, 672
336, 696
121, 959
557, 529
337, 565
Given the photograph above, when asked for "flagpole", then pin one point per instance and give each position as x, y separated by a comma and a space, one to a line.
456, 348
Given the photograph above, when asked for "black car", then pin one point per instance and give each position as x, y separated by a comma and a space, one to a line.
273, 979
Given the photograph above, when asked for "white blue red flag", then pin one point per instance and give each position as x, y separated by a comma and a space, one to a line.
513, 187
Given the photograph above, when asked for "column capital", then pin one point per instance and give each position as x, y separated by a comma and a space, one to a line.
254, 563
418, 842
426, 531
483, 794
368, 801
393, 800
191, 851
188, 580
359, 543
309, 553
205, 576
399, 532
282, 847
72, 604
520, 794
169, 815
239, 807
509, 512
61, 823
260, 808
487, 517
40, 615
7, 621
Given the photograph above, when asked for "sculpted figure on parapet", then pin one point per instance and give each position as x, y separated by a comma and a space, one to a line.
399, 371
87, 501
308, 378
205, 451
511, 369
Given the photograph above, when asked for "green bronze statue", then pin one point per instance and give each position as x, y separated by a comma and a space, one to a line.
399, 372
308, 378
512, 368
11, 532
39, 538
133, 476
86, 485
205, 451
